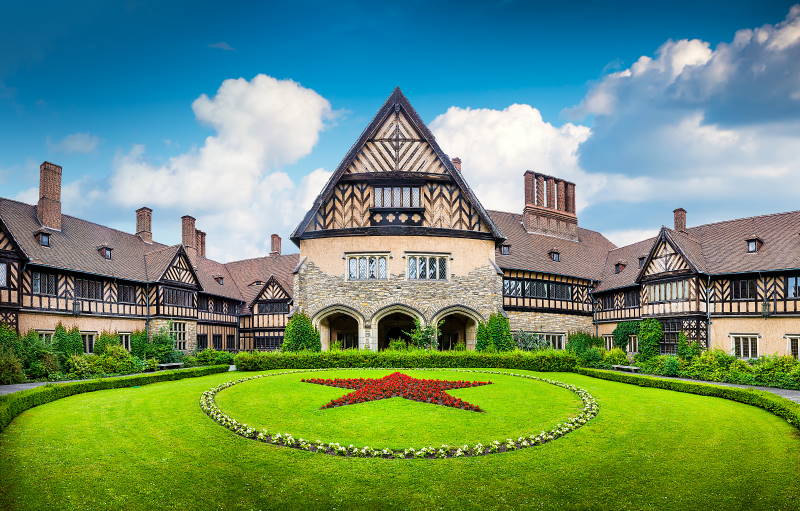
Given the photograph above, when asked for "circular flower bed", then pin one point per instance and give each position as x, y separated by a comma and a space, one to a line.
589, 411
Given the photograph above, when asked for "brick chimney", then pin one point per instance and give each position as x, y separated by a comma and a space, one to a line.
549, 206
48, 210
200, 237
144, 224
276, 245
188, 234
457, 163
680, 219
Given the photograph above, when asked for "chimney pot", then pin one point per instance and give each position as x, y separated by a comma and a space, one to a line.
48, 209
188, 234
200, 238
457, 163
276, 245
680, 219
144, 224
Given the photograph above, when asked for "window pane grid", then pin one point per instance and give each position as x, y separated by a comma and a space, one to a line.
397, 197
367, 268
427, 268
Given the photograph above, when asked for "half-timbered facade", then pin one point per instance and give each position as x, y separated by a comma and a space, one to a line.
396, 237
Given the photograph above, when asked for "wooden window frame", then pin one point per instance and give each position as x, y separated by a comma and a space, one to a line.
177, 329
397, 197
793, 348
737, 286
230, 342
170, 293
216, 340
792, 289
742, 344
120, 294
4, 284
125, 339
88, 339
204, 344
273, 307
50, 279
87, 289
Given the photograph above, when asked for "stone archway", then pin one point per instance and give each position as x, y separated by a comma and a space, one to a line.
391, 323
340, 324
459, 327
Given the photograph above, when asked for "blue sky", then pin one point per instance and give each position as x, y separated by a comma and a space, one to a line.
107, 91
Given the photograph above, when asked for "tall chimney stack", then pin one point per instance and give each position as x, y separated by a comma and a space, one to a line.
549, 206
144, 224
680, 219
276, 245
457, 163
48, 210
188, 234
200, 236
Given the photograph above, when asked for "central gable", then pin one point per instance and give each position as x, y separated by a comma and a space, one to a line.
180, 270
396, 146
665, 258
396, 180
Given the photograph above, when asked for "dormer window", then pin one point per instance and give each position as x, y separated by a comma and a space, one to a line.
44, 239
257, 283
220, 279
753, 245
555, 255
619, 267
105, 252
641, 261
505, 249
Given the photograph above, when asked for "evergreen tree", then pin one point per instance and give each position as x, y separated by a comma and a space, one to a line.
300, 334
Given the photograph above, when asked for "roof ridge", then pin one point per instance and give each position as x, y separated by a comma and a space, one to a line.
259, 257
797, 211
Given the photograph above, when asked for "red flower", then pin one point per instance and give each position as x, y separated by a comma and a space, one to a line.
398, 385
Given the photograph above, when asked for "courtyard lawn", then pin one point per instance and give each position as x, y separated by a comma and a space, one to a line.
153, 448
513, 407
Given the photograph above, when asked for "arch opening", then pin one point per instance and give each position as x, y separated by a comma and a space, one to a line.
457, 331
339, 326
394, 326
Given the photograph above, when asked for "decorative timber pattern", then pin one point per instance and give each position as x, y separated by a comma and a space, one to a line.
347, 208
180, 271
758, 295
446, 207
397, 146
272, 291
5, 242
544, 292
666, 260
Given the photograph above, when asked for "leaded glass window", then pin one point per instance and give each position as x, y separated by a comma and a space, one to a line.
427, 267
367, 267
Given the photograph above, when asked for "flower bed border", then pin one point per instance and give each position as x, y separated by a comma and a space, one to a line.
588, 412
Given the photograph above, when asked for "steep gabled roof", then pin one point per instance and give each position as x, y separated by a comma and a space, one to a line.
530, 251
397, 102
248, 271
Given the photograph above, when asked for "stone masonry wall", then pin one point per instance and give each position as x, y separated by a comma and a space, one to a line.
191, 331
314, 290
549, 322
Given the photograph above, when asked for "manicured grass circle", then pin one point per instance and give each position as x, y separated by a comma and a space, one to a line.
519, 411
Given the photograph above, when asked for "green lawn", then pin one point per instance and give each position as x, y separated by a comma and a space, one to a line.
513, 407
152, 448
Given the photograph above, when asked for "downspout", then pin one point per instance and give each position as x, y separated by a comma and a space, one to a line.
708, 311
147, 311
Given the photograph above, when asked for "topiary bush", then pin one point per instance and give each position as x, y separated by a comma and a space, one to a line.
651, 333
300, 334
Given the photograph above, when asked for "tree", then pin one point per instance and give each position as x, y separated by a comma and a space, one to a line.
9, 340
139, 343
424, 337
651, 333
494, 334
623, 332
300, 334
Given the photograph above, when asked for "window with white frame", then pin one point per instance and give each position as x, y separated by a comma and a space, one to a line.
745, 346
633, 344
609, 341
555, 340
177, 330
367, 267
427, 267
397, 197
3, 274
675, 291
794, 346
46, 336
88, 341
125, 338
793, 287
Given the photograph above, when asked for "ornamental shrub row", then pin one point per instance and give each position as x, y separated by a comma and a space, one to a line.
788, 410
15, 403
548, 360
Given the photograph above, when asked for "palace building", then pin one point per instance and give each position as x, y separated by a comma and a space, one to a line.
397, 237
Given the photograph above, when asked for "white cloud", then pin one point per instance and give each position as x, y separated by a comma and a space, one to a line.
627, 236
222, 45
76, 143
233, 183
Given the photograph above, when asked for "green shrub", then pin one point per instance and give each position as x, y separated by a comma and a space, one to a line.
592, 357
10, 341
788, 410
709, 365
139, 344
528, 341
117, 360
397, 345
161, 346
688, 350
212, 357
651, 333
15, 403
74, 342
335, 346
615, 357
106, 339
671, 366
83, 366
623, 332
495, 334
10, 366
578, 342
424, 337
546, 360
300, 334
38, 358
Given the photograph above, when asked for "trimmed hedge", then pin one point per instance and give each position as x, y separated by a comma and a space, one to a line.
15, 403
547, 360
782, 407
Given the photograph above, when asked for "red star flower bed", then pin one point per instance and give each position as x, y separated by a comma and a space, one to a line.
399, 385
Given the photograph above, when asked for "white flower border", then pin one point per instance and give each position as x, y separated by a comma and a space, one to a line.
589, 411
